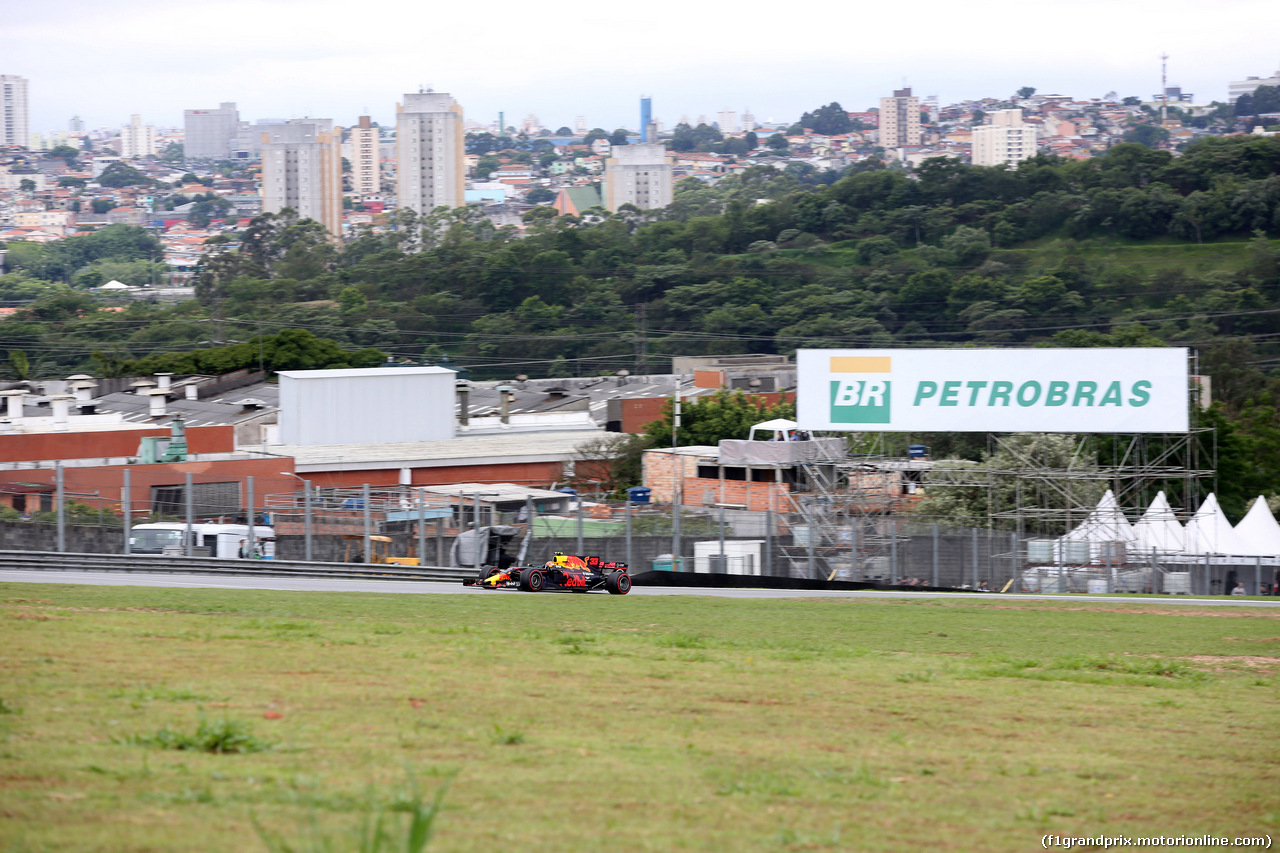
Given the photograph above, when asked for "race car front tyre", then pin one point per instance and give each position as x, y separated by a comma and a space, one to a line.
618, 583
532, 580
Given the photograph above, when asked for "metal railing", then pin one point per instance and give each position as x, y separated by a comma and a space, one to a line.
50, 561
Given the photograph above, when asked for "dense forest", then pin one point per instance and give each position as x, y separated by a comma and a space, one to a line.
1135, 247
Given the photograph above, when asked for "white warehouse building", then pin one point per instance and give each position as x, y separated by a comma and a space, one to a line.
366, 406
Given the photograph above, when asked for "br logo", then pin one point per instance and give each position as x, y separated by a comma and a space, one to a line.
860, 389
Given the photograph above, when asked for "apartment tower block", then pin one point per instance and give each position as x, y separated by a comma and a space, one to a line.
365, 177
15, 112
639, 175
430, 147
302, 169
137, 139
1004, 142
900, 120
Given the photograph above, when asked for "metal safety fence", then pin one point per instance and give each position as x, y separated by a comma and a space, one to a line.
422, 527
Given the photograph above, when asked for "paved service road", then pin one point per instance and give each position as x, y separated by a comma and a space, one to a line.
439, 587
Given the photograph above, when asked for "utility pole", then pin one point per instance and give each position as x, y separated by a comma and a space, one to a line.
1164, 88
642, 341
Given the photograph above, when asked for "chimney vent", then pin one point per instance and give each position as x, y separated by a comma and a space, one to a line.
61, 405
15, 404
159, 401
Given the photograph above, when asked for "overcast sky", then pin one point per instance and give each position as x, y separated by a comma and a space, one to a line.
105, 61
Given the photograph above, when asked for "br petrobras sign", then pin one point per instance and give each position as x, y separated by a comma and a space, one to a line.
993, 390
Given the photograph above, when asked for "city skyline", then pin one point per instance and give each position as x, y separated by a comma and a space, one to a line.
154, 59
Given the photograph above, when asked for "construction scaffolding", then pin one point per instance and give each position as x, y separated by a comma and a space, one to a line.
855, 513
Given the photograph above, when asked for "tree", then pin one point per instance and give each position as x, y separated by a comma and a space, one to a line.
594, 134
1265, 99
564, 131
1150, 135
777, 142
66, 154
102, 205
828, 120
700, 138
1026, 92
537, 195
173, 153
1132, 101
618, 137
121, 174
752, 140
612, 460
950, 494
27, 185
724, 414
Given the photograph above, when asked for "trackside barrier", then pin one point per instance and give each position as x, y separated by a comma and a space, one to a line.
48, 561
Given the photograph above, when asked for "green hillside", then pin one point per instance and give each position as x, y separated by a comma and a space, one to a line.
1135, 247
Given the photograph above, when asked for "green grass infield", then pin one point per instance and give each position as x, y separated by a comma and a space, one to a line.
209, 720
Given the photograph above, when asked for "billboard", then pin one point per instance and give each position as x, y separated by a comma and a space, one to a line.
1128, 390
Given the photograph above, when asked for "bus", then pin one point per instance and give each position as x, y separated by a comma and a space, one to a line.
224, 541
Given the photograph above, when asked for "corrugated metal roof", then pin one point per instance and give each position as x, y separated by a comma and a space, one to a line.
480, 449
358, 373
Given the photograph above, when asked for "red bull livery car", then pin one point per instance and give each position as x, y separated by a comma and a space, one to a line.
563, 572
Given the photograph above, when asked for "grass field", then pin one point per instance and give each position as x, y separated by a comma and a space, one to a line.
637, 723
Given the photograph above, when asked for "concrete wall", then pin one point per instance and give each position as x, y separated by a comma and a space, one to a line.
81, 538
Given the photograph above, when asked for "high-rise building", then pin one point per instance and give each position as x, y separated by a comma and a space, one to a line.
646, 118
932, 108
639, 175
210, 134
728, 121
900, 120
137, 139
748, 121
430, 170
1249, 85
15, 117
302, 169
365, 178
1004, 142
580, 126
76, 125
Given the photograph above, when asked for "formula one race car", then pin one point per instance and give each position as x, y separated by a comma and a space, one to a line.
562, 572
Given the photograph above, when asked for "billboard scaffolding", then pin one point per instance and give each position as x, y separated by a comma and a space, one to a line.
857, 522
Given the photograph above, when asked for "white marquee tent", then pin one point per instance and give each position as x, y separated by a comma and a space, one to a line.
1258, 531
1209, 531
1159, 529
1105, 524
1207, 534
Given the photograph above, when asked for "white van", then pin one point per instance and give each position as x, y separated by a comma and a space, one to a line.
223, 541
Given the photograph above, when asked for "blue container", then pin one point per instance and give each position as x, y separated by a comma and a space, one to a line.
567, 491
638, 494
917, 451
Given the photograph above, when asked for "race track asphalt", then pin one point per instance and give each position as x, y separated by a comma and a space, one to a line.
438, 588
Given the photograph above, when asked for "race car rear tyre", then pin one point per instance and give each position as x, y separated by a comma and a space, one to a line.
532, 580
618, 583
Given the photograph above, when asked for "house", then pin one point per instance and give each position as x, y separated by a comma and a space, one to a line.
574, 200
